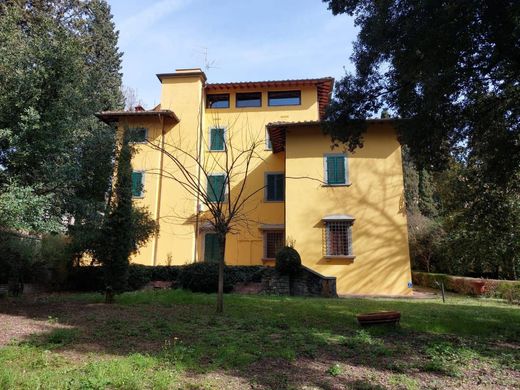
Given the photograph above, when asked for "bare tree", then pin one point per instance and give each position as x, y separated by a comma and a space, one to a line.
225, 205
131, 98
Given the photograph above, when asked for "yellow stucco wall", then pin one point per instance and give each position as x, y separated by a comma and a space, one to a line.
375, 199
178, 237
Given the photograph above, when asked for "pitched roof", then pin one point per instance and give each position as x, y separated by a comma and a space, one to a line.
324, 86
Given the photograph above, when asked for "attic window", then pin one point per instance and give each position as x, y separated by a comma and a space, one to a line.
285, 98
251, 99
220, 100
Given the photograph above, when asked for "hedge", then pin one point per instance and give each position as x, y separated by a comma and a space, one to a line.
200, 277
502, 289
90, 278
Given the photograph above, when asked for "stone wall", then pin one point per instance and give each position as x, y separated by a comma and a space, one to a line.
305, 283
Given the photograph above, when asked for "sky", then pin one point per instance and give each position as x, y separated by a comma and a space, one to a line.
231, 40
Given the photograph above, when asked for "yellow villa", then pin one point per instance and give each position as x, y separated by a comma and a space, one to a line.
344, 212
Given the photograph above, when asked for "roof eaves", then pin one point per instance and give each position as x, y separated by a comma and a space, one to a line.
113, 116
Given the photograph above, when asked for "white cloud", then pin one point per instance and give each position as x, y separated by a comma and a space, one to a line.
147, 17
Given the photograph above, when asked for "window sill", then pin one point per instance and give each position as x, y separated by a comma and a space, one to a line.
340, 257
273, 201
138, 197
213, 151
337, 185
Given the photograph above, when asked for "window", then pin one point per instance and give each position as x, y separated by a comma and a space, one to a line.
220, 100
211, 247
338, 238
137, 184
284, 98
275, 187
216, 188
268, 144
251, 99
336, 169
273, 241
138, 134
216, 139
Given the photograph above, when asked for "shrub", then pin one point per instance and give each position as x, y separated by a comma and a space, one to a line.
288, 261
508, 290
202, 277
90, 278
20, 261
165, 272
86, 278
244, 273
56, 253
138, 276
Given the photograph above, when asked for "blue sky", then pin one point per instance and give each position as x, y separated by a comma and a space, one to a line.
244, 40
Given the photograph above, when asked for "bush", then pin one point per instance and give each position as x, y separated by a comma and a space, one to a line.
20, 261
202, 277
288, 261
165, 272
138, 276
86, 278
244, 273
90, 278
56, 253
508, 290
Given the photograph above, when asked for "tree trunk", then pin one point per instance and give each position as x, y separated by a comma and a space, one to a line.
220, 293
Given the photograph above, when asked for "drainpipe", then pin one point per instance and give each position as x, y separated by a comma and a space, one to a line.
158, 192
199, 163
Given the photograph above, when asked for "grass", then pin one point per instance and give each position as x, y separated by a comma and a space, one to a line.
173, 339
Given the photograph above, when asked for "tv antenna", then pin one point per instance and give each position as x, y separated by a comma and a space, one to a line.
207, 62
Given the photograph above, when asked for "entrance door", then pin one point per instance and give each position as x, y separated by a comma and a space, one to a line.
211, 247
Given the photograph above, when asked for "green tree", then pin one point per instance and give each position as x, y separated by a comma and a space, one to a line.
125, 227
96, 145
452, 69
59, 64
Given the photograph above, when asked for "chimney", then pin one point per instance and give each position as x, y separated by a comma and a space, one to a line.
138, 108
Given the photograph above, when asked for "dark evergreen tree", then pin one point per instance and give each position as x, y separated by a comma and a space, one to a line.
96, 144
116, 240
452, 69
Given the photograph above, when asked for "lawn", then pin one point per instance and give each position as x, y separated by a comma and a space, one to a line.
172, 339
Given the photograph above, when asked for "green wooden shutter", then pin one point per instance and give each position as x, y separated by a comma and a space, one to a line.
216, 188
217, 139
280, 184
336, 170
211, 247
275, 187
137, 184
271, 187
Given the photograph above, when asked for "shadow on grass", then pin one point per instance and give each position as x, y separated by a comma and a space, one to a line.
274, 342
